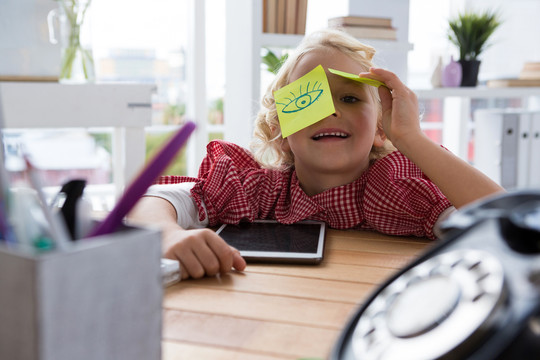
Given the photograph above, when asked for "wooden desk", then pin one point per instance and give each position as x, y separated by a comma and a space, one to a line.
281, 311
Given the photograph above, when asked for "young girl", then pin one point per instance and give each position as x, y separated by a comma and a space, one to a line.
342, 170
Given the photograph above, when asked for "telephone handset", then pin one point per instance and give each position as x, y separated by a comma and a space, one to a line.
475, 295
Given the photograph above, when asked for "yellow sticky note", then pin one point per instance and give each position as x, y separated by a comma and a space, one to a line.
304, 102
354, 77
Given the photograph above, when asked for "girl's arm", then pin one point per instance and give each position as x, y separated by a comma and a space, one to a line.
460, 182
200, 252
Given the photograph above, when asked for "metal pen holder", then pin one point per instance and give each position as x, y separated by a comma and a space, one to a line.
99, 299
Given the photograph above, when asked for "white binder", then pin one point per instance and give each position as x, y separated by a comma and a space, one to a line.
506, 149
534, 159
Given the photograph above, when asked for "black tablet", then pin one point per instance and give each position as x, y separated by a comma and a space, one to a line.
270, 241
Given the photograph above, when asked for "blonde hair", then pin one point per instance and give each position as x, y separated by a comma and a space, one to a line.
267, 139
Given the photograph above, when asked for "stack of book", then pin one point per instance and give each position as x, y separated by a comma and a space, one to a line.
284, 16
531, 71
529, 76
365, 27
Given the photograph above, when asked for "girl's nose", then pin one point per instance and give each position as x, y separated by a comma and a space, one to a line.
336, 113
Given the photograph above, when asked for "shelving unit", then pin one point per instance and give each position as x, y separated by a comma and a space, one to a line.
457, 122
243, 71
244, 38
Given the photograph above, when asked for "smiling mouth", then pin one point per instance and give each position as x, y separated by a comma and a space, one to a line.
326, 135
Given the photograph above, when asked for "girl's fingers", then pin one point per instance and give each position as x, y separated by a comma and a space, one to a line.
202, 252
391, 80
386, 98
222, 258
190, 266
212, 262
387, 77
239, 263
221, 251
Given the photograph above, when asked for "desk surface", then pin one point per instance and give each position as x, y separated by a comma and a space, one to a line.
281, 311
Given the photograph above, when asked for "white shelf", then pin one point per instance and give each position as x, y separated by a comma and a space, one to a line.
125, 107
480, 92
457, 122
46, 105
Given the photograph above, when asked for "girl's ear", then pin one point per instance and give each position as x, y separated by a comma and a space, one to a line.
380, 137
285, 147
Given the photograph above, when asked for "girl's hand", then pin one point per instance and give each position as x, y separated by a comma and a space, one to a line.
201, 252
399, 107
460, 182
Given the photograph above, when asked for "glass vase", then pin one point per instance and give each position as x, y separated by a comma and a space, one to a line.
69, 26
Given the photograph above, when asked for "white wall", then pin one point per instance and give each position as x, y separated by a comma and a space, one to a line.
514, 43
24, 39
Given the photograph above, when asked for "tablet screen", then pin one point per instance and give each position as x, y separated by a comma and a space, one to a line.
270, 241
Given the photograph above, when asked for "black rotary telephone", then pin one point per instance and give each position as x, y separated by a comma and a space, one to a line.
475, 295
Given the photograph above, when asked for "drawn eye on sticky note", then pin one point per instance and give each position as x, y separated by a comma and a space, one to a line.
354, 77
304, 102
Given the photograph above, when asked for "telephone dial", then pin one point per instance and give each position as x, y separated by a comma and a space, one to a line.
475, 295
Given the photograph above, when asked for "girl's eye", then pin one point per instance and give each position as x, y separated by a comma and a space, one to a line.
349, 99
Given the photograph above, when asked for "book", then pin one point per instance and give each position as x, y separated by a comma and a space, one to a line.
281, 13
301, 15
531, 66
270, 16
290, 16
360, 21
368, 32
497, 83
530, 70
284, 16
265, 16
30, 78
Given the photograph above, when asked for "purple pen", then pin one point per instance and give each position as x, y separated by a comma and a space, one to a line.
147, 176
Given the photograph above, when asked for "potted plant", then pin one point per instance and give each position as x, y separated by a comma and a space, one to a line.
470, 33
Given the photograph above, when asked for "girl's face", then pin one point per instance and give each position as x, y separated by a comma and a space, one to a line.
338, 146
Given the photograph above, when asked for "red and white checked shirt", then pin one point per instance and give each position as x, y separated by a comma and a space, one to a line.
392, 196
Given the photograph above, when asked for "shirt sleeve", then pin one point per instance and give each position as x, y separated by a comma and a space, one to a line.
400, 199
230, 185
180, 197
441, 219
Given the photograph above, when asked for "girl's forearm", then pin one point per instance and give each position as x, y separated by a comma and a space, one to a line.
154, 211
159, 212
460, 182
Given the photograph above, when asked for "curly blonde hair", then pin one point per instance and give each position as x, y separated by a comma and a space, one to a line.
266, 144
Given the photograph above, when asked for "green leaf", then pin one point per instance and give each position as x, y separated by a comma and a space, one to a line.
470, 32
272, 62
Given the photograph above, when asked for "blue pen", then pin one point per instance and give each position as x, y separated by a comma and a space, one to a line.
138, 187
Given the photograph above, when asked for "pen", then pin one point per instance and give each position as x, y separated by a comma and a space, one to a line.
139, 186
57, 229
